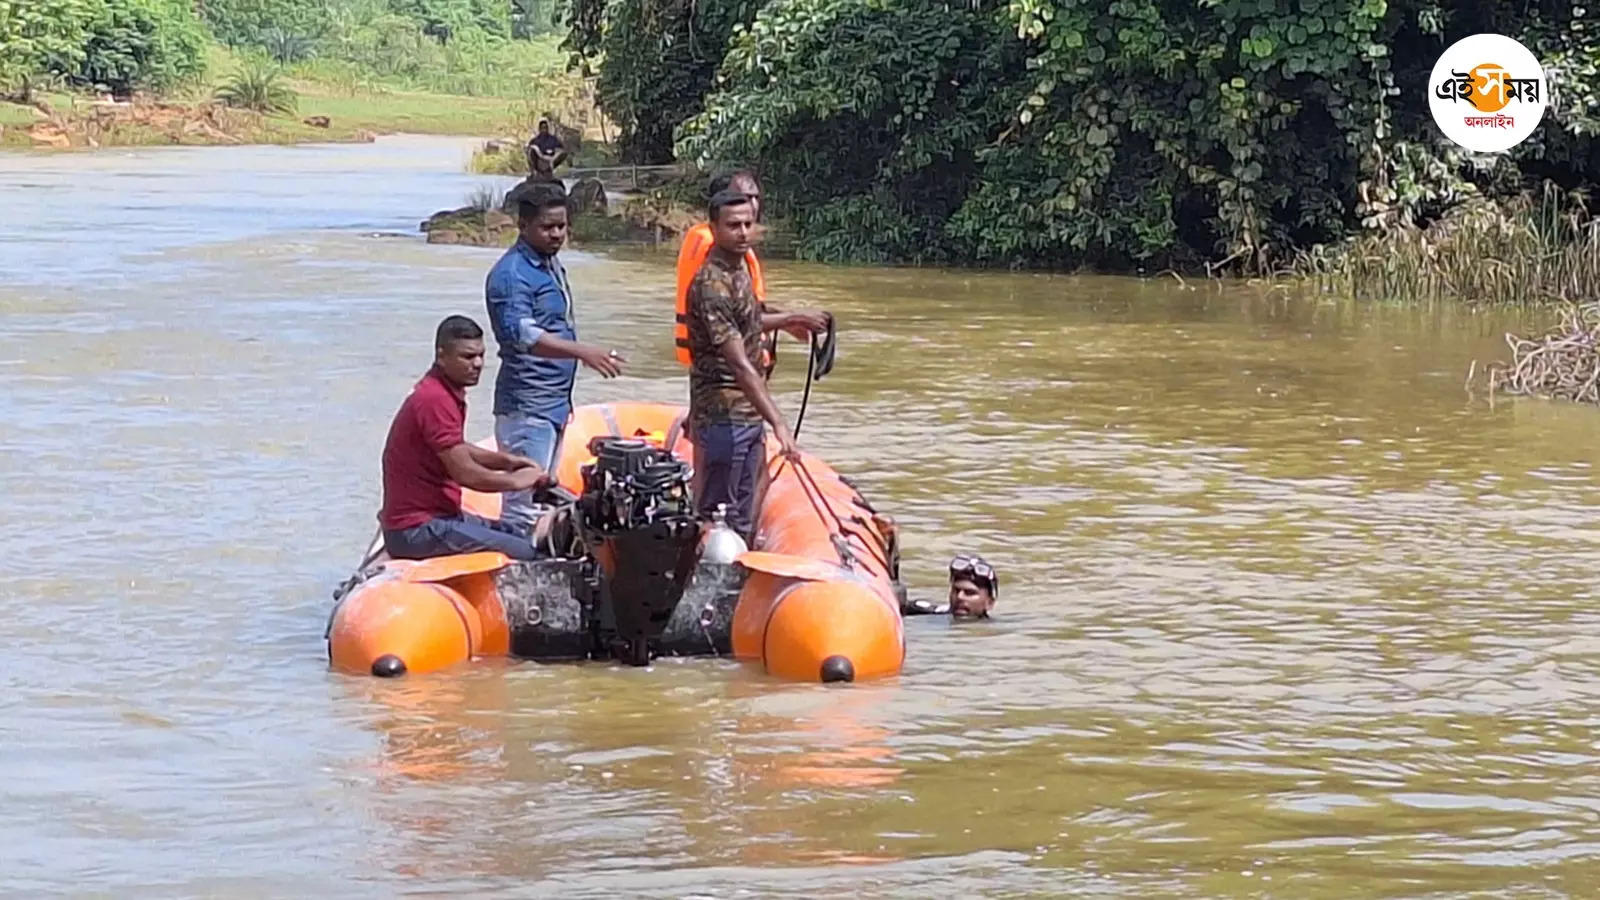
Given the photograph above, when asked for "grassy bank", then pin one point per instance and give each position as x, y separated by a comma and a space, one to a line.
1535, 248
494, 98
189, 122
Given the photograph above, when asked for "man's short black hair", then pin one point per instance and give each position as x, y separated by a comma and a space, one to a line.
723, 181
723, 199
456, 328
538, 197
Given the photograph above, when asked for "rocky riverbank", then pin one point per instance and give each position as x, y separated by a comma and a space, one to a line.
144, 122
596, 218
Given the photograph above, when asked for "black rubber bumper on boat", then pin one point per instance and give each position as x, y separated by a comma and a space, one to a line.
838, 668
388, 666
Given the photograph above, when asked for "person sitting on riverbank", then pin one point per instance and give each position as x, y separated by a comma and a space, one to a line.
974, 585
530, 309
427, 459
545, 152
697, 244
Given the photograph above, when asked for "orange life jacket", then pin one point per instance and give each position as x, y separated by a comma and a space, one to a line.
696, 247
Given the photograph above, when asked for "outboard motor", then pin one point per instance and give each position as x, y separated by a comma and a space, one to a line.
703, 620
636, 518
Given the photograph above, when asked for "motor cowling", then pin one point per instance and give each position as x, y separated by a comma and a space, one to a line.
631, 484
637, 519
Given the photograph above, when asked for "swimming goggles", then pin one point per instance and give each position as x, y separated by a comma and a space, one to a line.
974, 567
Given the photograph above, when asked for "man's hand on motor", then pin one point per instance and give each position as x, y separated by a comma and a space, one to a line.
531, 478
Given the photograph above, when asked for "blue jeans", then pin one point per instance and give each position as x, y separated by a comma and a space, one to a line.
536, 438
731, 457
466, 533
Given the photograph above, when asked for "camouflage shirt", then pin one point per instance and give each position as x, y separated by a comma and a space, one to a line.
720, 305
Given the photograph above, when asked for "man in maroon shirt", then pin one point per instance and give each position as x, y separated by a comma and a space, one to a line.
427, 459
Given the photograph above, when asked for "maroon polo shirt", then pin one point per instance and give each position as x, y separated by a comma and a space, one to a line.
416, 486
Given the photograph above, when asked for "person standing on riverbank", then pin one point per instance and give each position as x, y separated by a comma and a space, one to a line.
426, 460
530, 309
697, 244
728, 398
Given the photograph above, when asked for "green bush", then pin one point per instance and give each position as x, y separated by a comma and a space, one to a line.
241, 23
302, 25
141, 45
287, 47
446, 20
658, 61
867, 121
120, 45
1111, 133
38, 37
390, 51
258, 87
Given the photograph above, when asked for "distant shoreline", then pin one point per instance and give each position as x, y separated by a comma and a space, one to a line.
78, 122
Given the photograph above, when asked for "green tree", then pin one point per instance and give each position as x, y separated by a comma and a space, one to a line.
530, 18
868, 120
240, 23
1119, 133
141, 45
444, 19
38, 37
657, 60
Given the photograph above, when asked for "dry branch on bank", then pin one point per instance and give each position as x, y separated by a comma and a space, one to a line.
1563, 364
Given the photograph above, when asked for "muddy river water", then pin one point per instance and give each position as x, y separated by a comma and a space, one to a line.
1285, 610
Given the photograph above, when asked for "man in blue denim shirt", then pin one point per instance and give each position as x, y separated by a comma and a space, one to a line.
530, 308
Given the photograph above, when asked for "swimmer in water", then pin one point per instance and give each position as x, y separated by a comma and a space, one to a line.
974, 586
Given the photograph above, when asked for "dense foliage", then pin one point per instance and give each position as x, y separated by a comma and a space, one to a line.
445, 46
38, 37
263, 23
1115, 133
241, 23
117, 45
141, 45
658, 61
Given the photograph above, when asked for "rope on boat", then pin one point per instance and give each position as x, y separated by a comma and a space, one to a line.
813, 491
824, 510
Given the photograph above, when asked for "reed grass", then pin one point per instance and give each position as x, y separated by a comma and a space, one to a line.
486, 197
1535, 248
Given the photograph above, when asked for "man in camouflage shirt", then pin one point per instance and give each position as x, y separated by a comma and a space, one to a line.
728, 398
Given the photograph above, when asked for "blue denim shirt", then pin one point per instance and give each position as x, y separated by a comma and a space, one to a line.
527, 296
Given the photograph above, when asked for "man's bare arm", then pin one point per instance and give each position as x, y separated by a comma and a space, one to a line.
465, 470
497, 460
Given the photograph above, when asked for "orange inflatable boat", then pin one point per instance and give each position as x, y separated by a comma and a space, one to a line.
630, 576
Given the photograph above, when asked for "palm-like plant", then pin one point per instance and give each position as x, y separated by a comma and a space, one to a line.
258, 87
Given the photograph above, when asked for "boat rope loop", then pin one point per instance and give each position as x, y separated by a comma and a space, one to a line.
821, 354
805, 398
